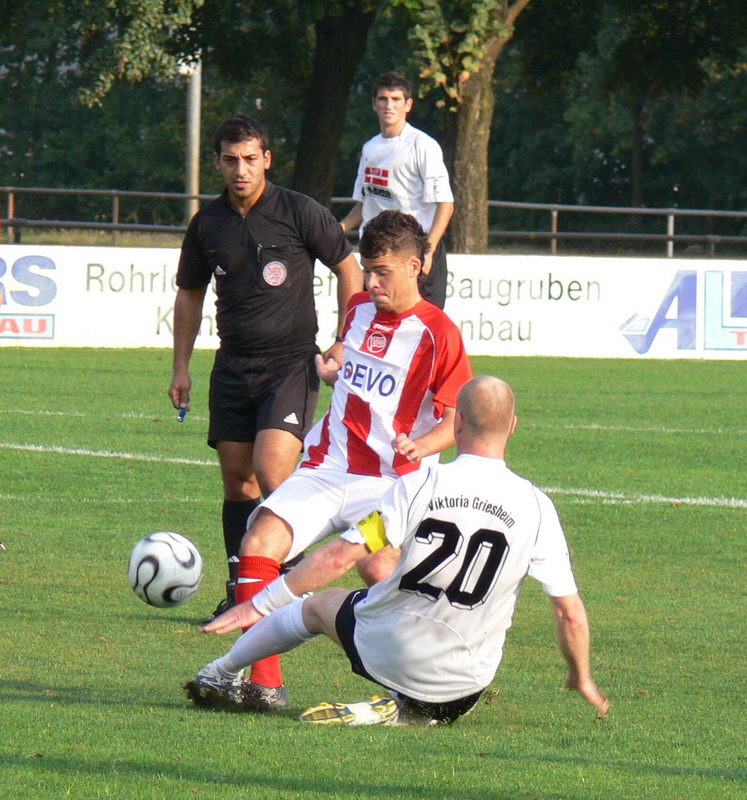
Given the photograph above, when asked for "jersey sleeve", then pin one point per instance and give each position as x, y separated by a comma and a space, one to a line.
453, 369
193, 271
323, 235
433, 172
550, 562
358, 185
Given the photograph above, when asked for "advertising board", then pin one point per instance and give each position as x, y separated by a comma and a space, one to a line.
504, 305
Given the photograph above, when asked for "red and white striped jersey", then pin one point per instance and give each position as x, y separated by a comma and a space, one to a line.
399, 372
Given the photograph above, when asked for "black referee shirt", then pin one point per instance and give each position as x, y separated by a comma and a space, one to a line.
263, 265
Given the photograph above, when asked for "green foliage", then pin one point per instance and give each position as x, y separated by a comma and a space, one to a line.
98, 43
246, 38
671, 45
564, 131
450, 38
128, 40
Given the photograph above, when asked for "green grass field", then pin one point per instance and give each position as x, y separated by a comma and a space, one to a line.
646, 461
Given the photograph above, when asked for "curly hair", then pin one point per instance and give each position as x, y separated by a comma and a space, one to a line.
395, 231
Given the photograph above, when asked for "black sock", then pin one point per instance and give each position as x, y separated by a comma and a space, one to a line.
235, 515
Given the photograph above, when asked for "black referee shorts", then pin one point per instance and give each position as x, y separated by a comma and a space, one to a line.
248, 395
433, 285
442, 712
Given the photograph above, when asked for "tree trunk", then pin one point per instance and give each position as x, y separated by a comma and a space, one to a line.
469, 225
340, 45
468, 232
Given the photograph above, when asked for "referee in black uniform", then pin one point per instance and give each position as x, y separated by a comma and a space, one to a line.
258, 241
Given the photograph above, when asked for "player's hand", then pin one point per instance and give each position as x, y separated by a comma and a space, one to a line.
240, 616
427, 263
403, 445
588, 690
334, 352
327, 366
181, 383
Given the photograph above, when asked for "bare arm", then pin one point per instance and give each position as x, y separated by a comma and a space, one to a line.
316, 570
444, 212
349, 281
572, 628
438, 439
324, 565
187, 317
352, 220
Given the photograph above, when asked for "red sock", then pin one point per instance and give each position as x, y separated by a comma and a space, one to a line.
260, 571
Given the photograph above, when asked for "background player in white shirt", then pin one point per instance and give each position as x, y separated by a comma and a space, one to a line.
392, 410
403, 168
433, 632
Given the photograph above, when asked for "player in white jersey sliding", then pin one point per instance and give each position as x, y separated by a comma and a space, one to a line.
391, 413
432, 633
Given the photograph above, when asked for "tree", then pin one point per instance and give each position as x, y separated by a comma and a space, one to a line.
48, 138
122, 40
304, 52
341, 30
457, 43
248, 38
631, 54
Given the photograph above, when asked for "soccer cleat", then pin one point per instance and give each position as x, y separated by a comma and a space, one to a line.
211, 689
287, 566
379, 710
227, 602
255, 697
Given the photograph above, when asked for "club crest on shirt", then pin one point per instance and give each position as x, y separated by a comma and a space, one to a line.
377, 339
376, 343
274, 273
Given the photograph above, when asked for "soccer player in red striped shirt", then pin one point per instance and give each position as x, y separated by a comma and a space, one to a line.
392, 411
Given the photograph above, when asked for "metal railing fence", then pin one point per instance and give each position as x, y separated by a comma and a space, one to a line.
552, 233
669, 236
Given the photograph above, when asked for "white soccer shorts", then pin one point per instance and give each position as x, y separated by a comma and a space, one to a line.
319, 502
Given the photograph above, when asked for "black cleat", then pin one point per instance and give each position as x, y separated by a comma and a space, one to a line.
210, 689
255, 697
287, 566
229, 601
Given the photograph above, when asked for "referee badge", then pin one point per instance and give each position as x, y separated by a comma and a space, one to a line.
274, 273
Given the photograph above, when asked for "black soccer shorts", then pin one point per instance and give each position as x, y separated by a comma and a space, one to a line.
248, 395
446, 712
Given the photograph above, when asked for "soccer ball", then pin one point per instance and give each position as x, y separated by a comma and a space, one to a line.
165, 569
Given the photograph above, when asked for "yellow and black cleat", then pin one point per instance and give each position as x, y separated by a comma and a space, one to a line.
379, 710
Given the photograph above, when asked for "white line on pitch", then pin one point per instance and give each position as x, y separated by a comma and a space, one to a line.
41, 412
620, 497
614, 497
77, 451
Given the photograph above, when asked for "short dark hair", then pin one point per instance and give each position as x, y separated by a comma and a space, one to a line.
391, 81
395, 231
238, 128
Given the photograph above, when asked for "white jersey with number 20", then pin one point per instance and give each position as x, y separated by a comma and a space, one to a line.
470, 531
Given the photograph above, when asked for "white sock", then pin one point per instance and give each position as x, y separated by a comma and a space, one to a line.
227, 667
277, 633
